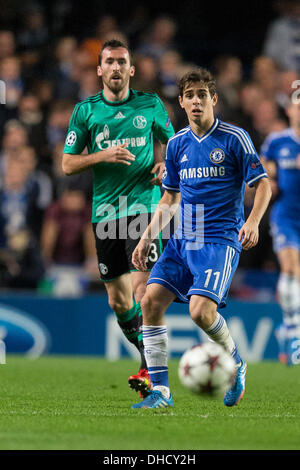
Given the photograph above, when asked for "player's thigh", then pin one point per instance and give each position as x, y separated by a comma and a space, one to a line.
289, 260
171, 271
119, 292
136, 227
111, 253
212, 267
155, 303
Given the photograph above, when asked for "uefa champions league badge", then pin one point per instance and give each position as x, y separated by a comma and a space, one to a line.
217, 156
71, 138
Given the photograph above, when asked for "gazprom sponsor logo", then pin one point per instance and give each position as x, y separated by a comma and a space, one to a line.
22, 333
103, 141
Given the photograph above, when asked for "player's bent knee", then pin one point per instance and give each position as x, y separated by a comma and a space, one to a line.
119, 305
203, 312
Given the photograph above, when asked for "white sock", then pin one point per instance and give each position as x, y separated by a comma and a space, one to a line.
155, 341
219, 332
288, 288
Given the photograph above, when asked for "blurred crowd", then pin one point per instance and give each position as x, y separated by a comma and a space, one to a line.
45, 230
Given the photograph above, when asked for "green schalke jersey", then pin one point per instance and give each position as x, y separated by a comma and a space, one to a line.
120, 190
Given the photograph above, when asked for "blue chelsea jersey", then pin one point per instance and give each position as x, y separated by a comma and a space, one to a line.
284, 149
210, 172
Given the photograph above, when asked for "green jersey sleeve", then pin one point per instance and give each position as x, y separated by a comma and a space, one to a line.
77, 136
162, 126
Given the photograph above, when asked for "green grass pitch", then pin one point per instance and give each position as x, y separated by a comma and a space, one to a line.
68, 403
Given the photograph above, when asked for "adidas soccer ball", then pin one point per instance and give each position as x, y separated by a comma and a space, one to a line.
207, 369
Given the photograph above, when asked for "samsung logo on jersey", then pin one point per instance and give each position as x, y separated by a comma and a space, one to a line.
202, 172
288, 164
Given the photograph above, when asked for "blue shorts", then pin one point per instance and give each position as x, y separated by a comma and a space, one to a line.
285, 235
207, 271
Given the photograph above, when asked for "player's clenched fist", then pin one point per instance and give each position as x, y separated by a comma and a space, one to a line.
118, 154
140, 255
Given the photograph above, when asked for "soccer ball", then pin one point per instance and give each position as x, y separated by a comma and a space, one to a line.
207, 369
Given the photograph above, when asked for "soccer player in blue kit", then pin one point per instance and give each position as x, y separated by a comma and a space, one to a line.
207, 165
281, 155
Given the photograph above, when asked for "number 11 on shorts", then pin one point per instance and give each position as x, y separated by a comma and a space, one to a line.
208, 273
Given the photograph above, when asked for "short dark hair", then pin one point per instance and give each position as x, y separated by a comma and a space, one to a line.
113, 44
198, 75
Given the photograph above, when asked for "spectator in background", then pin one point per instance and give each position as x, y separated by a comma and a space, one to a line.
66, 234
65, 86
229, 75
44, 90
160, 38
33, 35
265, 75
15, 136
250, 97
89, 85
30, 115
14, 200
32, 41
146, 76
283, 36
39, 185
82, 61
82, 181
106, 25
169, 73
286, 87
21, 265
7, 44
10, 73
68, 244
58, 121
136, 23
266, 119
20, 262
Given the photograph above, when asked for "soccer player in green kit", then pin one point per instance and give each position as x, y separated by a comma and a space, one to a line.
118, 126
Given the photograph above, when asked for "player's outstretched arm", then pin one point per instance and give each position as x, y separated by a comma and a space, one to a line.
162, 216
73, 164
249, 234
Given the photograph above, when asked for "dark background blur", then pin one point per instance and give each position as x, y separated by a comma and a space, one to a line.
48, 59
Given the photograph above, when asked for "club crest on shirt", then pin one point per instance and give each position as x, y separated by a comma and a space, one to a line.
140, 122
217, 155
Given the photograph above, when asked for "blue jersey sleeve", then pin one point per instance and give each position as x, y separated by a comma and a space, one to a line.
170, 179
251, 166
267, 150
